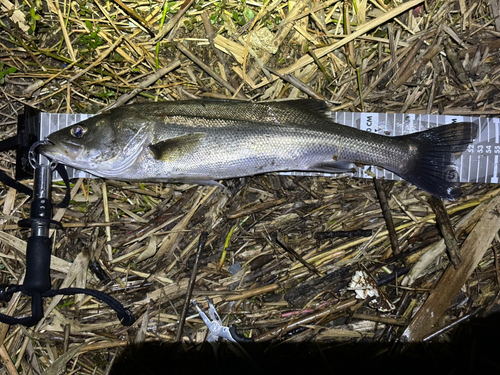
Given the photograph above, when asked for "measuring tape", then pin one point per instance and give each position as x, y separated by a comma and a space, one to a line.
479, 163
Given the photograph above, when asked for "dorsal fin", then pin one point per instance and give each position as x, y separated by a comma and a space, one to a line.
310, 105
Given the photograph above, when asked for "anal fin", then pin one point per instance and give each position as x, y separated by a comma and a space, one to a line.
333, 167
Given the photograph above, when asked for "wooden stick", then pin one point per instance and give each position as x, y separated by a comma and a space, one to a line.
456, 64
386, 211
406, 75
7, 361
253, 292
173, 21
446, 228
472, 251
294, 81
306, 320
135, 16
187, 301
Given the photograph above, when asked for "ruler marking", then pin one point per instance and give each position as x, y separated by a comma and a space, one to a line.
461, 168
494, 179
486, 170
488, 127
468, 171
477, 171
497, 135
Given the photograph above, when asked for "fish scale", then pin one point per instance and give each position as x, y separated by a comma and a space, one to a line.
262, 148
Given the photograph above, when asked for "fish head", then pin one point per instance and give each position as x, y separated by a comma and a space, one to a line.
104, 145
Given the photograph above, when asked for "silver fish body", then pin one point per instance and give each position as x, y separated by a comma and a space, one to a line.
206, 140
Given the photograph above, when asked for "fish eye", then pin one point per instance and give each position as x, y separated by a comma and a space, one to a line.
78, 131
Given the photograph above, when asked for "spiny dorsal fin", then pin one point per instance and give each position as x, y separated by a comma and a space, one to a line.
311, 105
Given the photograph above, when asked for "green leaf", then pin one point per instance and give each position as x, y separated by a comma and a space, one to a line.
249, 14
89, 25
3, 73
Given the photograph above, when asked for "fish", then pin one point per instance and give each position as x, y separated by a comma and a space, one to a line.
201, 141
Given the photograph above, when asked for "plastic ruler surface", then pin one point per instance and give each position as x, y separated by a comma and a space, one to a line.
478, 164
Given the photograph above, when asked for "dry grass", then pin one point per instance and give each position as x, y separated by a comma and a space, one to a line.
84, 56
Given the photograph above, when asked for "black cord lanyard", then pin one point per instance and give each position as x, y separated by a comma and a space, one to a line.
37, 280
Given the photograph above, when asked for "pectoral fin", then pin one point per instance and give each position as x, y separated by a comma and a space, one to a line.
174, 148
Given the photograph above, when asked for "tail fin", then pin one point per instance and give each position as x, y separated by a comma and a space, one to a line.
432, 168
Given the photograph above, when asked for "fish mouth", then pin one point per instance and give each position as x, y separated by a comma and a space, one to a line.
63, 152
